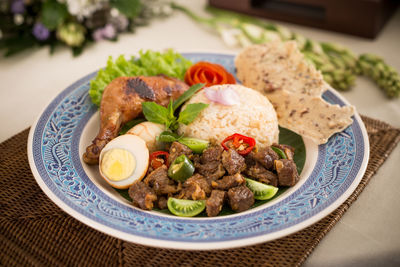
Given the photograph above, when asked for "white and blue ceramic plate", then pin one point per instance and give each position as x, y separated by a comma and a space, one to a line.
68, 124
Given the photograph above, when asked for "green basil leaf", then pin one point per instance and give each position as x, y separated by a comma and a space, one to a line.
174, 125
187, 94
170, 108
53, 14
155, 113
190, 112
130, 8
168, 137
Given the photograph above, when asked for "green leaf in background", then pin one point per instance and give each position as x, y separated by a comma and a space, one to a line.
77, 50
130, 8
191, 111
156, 113
17, 44
53, 14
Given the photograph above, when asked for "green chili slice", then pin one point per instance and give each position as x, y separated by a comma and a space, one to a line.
280, 152
181, 169
195, 144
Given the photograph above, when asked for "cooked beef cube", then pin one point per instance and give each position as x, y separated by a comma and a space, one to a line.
250, 160
289, 151
201, 181
233, 162
228, 182
192, 191
287, 172
196, 187
159, 181
261, 174
178, 149
162, 203
142, 195
212, 154
266, 157
240, 198
211, 170
195, 159
215, 202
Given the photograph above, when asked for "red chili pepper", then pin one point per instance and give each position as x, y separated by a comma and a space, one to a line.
158, 158
238, 140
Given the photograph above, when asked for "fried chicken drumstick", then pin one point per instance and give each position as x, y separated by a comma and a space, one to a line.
122, 101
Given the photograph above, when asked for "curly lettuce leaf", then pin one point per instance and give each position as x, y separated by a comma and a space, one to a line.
149, 63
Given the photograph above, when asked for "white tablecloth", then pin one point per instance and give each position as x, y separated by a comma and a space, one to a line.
367, 235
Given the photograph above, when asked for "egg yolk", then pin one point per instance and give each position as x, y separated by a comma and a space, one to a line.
118, 164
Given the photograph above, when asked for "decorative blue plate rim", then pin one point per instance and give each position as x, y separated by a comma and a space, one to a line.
56, 164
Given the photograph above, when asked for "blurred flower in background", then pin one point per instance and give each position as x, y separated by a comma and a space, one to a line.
25, 24
40, 31
107, 32
18, 7
73, 34
83, 8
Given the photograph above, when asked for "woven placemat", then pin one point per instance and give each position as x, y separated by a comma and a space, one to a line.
35, 232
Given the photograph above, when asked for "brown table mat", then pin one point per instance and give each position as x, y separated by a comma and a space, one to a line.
35, 232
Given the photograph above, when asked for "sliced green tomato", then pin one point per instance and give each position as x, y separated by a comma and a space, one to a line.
185, 207
279, 152
181, 169
261, 191
196, 145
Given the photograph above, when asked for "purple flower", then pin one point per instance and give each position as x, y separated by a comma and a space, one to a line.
18, 7
98, 35
40, 31
108, 32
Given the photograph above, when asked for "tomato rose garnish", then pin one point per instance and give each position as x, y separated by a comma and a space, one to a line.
208, 73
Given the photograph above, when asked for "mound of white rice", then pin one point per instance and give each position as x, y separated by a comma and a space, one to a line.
254, 116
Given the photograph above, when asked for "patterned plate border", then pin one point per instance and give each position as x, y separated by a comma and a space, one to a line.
55, 162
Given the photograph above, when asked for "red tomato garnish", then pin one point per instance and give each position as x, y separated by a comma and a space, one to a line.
208, 73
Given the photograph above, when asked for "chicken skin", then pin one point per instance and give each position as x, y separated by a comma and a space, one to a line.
122, 102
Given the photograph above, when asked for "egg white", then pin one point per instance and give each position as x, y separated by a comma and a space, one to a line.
137, 147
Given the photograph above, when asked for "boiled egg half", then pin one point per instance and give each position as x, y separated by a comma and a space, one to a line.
124, 160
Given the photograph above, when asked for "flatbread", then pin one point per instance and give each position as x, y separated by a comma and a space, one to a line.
294, 87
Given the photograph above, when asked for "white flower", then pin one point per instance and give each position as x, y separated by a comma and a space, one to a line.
229, 36
83, 8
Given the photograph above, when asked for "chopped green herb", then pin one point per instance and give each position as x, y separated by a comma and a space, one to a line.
166, 115
188, 115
